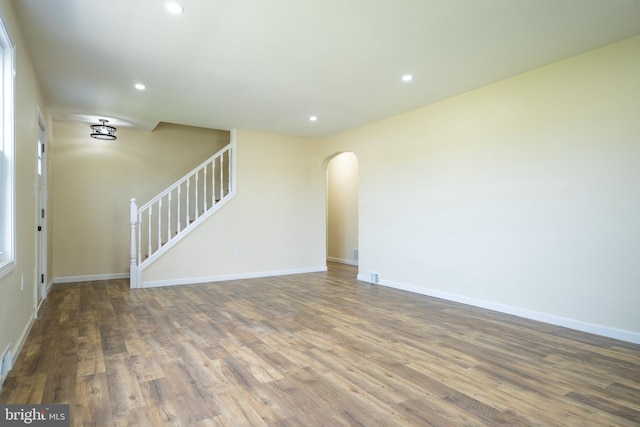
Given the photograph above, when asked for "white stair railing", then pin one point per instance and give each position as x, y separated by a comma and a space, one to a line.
164, 220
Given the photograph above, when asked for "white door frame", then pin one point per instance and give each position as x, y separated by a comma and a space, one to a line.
41, 214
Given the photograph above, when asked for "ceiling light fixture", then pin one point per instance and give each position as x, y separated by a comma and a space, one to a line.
103, 131
174, 8
140, 86
313, 118
407, 78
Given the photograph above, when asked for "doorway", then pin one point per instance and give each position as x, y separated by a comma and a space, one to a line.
41, 216
342, 209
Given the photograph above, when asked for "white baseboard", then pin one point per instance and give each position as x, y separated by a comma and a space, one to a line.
22, 339
15, 351
342, 261
225, 277
5, 364
91, 278
619, 334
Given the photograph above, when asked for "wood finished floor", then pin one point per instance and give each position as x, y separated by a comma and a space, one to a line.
316, 349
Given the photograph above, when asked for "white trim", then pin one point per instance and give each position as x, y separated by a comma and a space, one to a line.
8, 146
7, 267
342, 261
233, 178
225, 277
606, 331
5, 368
231, 148
15, 351
23, 338
91, 278
192, 226
42, 197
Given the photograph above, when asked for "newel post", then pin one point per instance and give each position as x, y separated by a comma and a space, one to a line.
133, 271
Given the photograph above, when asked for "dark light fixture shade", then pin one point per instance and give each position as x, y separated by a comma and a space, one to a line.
103, 131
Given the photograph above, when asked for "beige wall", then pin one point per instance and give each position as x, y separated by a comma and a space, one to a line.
521, 196
16, 302
93, 182
275, 222
342, 208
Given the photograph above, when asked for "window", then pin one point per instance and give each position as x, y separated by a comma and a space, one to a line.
7, 185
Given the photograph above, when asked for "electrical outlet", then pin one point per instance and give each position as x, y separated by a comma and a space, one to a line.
374, 277
236, 249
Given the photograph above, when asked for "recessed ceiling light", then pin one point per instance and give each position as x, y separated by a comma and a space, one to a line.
407, 78
140, 86
174, 8
313, 118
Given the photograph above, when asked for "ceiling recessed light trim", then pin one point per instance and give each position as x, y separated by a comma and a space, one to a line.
140, 86
174, 8
407, 78
313, 118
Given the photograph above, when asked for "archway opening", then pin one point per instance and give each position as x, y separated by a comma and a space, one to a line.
342, 209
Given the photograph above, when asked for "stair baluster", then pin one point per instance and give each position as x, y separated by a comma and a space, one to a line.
160, 222
204, 199
204, 185
169, 215
149, 221
188, 221
179, 203
221, 177
195, 196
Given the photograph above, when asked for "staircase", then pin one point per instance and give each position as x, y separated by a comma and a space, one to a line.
163, 221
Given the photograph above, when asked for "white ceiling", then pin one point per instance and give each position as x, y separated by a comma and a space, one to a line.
267, 65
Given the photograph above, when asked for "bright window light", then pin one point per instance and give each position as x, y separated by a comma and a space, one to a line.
7, 159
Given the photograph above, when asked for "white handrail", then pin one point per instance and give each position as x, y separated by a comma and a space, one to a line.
175, 217
184, 178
